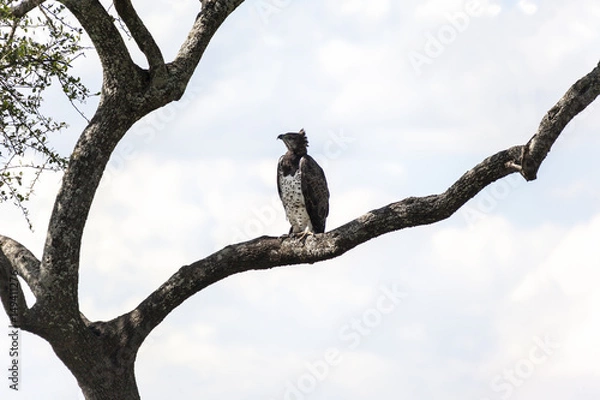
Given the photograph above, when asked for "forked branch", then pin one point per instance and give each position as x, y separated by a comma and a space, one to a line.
117, 65
142, 36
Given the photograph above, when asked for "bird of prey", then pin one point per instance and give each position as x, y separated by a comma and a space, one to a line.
302, 187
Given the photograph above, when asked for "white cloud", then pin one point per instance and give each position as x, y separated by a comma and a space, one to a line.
359, 367
366, 75
572, 265
528, 7
472, 254
372, 11
580, 353
556, 46
433, 10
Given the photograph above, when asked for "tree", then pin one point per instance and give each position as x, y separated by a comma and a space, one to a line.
101, 354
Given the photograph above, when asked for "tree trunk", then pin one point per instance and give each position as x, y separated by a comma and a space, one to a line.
108, 382
100, 355
108, 377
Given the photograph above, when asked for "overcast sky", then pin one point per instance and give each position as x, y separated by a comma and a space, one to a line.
398, 99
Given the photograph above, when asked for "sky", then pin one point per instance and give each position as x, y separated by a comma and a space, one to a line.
398, 99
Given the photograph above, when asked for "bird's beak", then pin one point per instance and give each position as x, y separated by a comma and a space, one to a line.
279, 137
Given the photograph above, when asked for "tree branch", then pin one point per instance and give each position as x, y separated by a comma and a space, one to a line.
123, 86
213, 13
23, 261
11, 294
575, 100
117, 65
24, 7
268, 252
141, 35
59, 271
16, 260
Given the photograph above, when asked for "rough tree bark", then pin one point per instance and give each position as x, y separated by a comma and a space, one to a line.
101, 354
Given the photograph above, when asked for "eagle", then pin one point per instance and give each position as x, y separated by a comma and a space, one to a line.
302, 186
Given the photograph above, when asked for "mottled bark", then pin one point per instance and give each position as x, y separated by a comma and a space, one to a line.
575, 100
141, 35
11, 294
101, 355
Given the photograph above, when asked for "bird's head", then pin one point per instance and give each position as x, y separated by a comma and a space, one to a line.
295, 141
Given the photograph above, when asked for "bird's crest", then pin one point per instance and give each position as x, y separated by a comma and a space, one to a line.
302, 133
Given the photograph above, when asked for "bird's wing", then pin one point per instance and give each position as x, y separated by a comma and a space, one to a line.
278, 175
315, 192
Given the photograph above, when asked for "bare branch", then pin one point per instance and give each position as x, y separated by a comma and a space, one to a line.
117, 111
268, 252
60, 262
16, 260
24, 7
114, 56
141, 35
213, 13
11, 294
23, 261
575, 100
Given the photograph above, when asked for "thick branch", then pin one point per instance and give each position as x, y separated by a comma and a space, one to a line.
16, 260
117, 111
141, 35
60, 262
268, 252
24, 7
11, 294
575, 100
22, 261
117, 65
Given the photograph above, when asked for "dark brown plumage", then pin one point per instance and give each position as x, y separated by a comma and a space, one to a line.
302, 186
